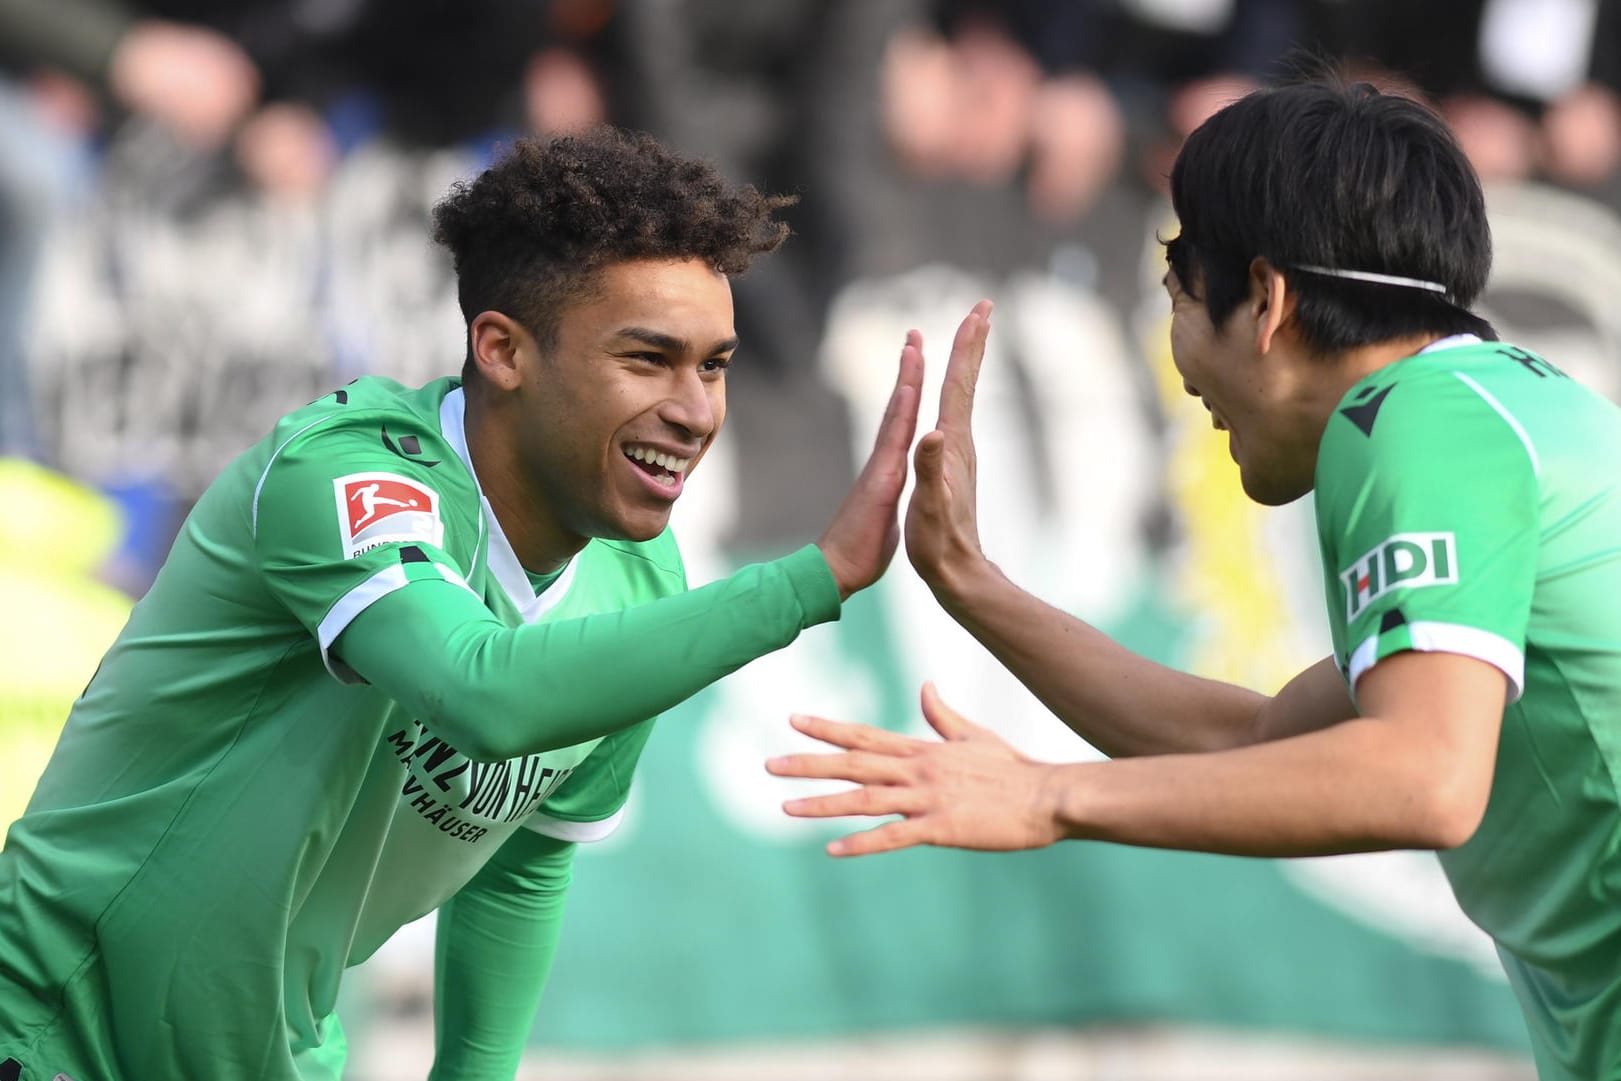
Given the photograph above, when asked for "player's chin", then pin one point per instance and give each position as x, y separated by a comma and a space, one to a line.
1272, 491
640, 523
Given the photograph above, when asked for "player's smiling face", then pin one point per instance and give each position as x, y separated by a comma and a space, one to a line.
1249, 391
618, 413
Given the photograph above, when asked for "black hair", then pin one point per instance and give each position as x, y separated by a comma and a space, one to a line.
530, 233
1337, 175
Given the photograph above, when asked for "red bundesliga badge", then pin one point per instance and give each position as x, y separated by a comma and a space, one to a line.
378, 507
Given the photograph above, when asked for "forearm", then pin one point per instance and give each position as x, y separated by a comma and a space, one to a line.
1120, 702
496, 940
1354, 787
496, 692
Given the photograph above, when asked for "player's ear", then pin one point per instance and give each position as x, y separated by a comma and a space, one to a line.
496, 341
1273, 301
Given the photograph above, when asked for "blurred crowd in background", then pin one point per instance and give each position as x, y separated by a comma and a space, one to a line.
860, 106
213, 212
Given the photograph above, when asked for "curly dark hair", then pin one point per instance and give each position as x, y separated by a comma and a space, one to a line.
530, 232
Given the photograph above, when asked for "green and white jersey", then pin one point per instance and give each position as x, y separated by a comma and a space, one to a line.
232, 815
1469, 501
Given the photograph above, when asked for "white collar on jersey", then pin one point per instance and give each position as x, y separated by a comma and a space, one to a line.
1454, 342
504, 566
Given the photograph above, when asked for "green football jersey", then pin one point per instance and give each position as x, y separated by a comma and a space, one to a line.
1469, 501
232, 815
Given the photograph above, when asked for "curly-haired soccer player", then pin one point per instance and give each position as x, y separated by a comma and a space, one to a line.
407, 649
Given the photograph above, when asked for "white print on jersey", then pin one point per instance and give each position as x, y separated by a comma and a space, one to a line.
379, 508
1405, 561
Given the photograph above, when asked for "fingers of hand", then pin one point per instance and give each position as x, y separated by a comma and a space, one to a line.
930, 458
861, 767
870, 800
853, 737
886, 838
962, 369
911, 366
899, 424
942, 718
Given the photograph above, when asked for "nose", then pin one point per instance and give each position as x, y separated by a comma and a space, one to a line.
1189, 387
692, 405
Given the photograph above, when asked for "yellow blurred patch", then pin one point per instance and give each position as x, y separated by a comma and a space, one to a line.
54, 534
1221, 575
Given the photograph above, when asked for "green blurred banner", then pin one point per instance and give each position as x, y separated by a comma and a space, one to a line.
705, 922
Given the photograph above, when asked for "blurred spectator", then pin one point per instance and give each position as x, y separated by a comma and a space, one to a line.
986, 90
1529, 86
194, 81
33, 163
1045, 88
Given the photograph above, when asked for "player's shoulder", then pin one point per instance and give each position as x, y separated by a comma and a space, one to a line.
657, 561
381, 411
1446, 398
371, 425
372, 442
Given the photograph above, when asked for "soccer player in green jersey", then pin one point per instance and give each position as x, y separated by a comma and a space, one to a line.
1468, 500
407, 649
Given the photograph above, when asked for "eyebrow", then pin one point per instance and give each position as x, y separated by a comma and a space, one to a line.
669, 342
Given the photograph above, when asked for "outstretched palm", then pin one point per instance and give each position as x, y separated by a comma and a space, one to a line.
942, 524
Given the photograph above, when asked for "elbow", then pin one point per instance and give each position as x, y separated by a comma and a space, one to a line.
1449, 814
490, 732
484, 747
481, 738
1451, 829
471, 727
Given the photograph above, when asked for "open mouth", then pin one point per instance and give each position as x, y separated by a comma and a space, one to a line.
665, 469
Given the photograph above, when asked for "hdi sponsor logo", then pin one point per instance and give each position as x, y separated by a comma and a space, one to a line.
1404, 561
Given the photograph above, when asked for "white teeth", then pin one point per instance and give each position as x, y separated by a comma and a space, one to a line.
664, 461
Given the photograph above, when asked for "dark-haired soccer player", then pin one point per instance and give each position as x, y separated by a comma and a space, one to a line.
1468, 500
407, 649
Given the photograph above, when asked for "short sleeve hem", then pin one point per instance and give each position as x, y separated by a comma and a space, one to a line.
363, 596
1433, 637
563, 829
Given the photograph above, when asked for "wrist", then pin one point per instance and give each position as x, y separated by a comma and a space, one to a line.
1059, 800
960, 584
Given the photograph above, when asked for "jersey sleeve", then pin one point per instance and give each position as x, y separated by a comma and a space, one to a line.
590, 804
1428, 517
493, 950
497, 692
338, 523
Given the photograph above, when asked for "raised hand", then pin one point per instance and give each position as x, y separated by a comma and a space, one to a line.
971, 790
863, 536
942, 524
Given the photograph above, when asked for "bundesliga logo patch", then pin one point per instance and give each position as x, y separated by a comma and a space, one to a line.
380, 508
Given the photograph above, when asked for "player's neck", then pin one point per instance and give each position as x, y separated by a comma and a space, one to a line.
540, 544
1355, 365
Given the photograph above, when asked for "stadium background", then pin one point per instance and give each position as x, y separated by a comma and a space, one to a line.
211, 213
